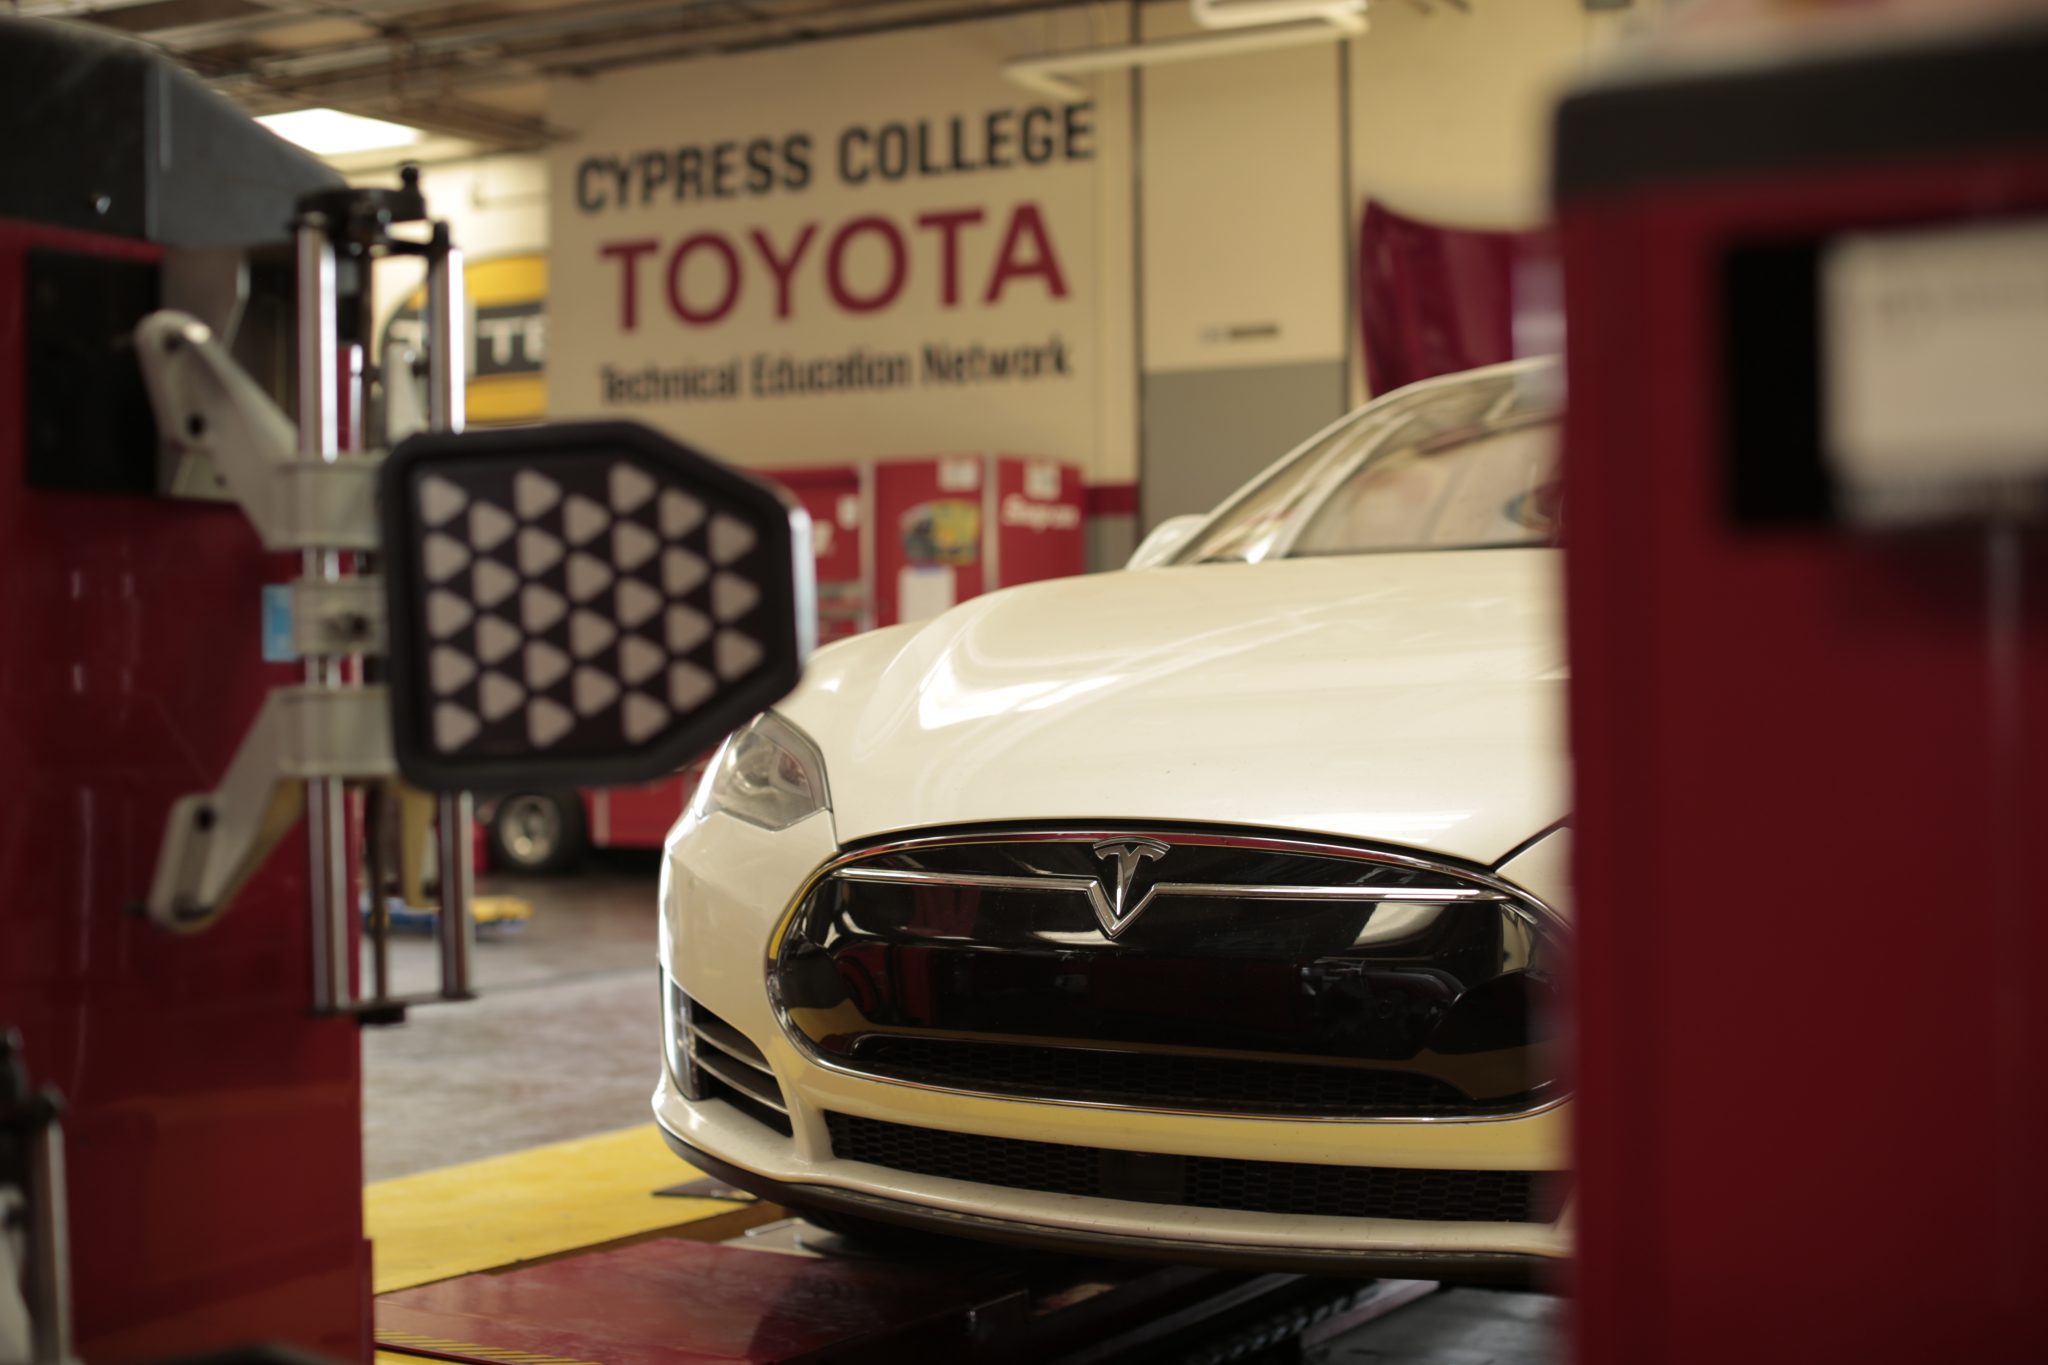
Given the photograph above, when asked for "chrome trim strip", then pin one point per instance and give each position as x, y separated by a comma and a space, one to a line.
749, 1087
1325, 893
1528, 907
994, 881
1514, 899
990, 881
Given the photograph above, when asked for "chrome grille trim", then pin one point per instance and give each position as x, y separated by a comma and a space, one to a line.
716, 1050
728, 1040
994, 881
744, 1080
1483, 887
1518, 900
1222, 890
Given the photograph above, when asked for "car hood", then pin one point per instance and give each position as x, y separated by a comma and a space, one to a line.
1413, 699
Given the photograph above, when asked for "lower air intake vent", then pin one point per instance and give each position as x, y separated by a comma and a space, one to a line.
1285, 1187
732, 1069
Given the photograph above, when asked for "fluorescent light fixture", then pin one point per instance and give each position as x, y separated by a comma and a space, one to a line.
330, 132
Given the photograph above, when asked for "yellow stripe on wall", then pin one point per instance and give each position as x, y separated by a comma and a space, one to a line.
483, 1215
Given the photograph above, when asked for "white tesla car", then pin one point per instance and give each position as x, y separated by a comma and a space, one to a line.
1208, 910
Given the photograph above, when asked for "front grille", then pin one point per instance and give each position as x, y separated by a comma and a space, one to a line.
1231, 1085
729, 1067
1283, 1187
1179, 969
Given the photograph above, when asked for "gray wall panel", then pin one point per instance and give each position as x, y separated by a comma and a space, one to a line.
1110, 541
1207, 431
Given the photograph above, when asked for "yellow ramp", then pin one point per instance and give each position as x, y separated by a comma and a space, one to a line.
483, 1215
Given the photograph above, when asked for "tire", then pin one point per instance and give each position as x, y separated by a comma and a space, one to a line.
538, 832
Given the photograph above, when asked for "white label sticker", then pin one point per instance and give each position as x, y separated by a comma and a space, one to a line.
1042, 480
1935, 348
959, 474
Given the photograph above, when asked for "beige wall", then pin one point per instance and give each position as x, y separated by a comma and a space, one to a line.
1237, 232
1451, 109
1079, 410
1243, 206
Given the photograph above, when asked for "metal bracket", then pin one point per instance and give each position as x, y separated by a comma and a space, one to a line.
214, 840
305, 486
405, 393
338, 615
206, 404
212, 284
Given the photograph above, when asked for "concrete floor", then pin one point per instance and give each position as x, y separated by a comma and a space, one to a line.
562, 1042
1457, 1327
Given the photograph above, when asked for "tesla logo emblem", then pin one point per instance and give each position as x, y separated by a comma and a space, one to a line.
1116, 908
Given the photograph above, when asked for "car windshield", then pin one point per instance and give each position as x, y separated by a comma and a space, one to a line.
1466, 464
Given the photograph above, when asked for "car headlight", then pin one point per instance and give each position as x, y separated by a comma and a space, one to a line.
768, 774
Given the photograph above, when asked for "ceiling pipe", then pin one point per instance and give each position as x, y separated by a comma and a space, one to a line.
611, 17
1052, 74
825, 20
69, 9
1348, 15
433, 77
191, 33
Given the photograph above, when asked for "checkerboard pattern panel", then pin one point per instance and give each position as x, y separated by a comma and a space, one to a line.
573, 610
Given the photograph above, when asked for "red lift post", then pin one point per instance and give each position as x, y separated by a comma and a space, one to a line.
1808, 663
189, 987
213, 1124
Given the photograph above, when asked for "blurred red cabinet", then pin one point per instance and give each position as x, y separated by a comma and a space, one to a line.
1808, 755
832, 496
950, 527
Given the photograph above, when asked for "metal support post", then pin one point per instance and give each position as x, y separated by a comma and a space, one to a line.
447, 376
312, 489
319, 432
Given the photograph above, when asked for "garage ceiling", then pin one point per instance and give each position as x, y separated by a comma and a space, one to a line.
472, 71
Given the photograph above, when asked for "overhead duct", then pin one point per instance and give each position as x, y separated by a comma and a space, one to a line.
1238, 27
1348, 15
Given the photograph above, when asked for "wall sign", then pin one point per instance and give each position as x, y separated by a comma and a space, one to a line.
900, 252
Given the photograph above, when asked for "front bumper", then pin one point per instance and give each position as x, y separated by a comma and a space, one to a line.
721, 904
1517, 1270
721, 1141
